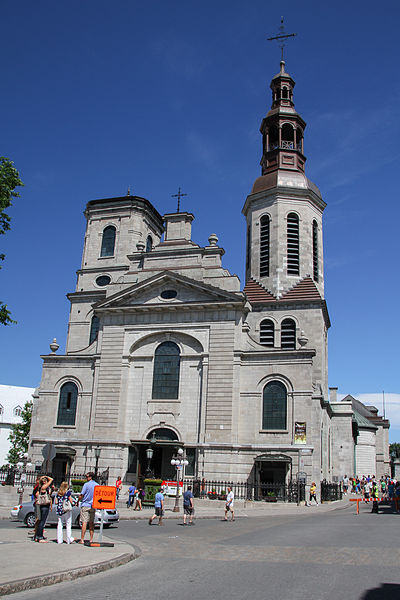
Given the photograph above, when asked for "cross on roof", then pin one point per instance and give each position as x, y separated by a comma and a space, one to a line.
282, 36
179, 195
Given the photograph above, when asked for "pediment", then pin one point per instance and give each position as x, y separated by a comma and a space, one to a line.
169, 290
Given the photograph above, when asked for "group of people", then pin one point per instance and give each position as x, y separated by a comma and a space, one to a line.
372, 489
188, 506
44, 495
135, 497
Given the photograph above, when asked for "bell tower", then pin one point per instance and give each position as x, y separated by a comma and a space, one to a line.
283, 128
284, 209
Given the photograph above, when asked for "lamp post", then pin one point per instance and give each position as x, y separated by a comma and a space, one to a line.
178, 461
97, 452
22, 466
149, 455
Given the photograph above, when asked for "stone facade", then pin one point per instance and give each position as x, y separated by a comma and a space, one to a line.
164, 349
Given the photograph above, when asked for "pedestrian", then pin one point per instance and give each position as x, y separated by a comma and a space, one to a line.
87, 510
313, 493
63, 501
159, 508
229, 504
36, 507
345, 484
118, 485
374, 496
138, 499
131, 495
367, 490
188, 507
43, 500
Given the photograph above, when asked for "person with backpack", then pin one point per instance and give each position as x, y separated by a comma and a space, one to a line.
64, 505
188, 507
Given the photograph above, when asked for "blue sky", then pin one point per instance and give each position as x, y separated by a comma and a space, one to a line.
99, 95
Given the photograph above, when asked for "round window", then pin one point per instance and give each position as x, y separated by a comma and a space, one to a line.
168, 294
103, 280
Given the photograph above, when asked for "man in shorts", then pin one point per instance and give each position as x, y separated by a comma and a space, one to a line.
229, 504
87, 510
188, 505
159, 508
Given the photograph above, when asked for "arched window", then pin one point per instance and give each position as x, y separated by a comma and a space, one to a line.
293, 245
288, 334
94, 329
285, 92
315, 249
163, 434
149, 243
166, 371
108, 241
264, 246
17, 411
274, 406
67, 404
267, 333
287, 136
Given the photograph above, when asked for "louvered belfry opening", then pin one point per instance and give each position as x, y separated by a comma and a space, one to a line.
315, 250
293, 245
264, 246
267, 333
288, 334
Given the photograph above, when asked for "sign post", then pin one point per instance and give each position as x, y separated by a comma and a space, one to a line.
104, 497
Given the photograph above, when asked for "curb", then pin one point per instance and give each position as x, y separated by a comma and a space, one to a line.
31, 583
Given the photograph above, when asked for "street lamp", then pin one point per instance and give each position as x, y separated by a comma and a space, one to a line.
178, 461
22, 466
97, 451
149, 455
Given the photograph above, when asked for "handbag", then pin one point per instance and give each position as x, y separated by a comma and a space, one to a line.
43, 499
66, 505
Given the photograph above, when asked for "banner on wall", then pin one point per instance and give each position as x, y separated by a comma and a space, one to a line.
300, 430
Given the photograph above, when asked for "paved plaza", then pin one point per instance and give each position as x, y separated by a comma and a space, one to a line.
325, 552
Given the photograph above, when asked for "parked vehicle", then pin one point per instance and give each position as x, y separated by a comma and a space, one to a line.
25, 513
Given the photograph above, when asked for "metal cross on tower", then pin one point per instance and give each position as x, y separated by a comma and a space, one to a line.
281, 37
179, 195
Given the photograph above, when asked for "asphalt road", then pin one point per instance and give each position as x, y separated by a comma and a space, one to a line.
333, 556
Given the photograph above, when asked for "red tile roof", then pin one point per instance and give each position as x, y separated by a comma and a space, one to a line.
255, 292
304, 290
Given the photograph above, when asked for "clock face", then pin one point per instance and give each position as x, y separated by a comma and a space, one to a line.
103, 280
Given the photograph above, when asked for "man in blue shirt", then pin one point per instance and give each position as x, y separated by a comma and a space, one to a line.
159, 508
131, 497
188, 505
87, 511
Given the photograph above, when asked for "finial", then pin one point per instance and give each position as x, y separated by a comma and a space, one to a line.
281, 37
54, 346
128, 193
179, 195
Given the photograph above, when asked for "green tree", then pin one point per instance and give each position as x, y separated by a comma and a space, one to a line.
9, 180
395, 447
19, 435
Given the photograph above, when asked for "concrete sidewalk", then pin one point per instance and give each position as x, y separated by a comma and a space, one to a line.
27, 565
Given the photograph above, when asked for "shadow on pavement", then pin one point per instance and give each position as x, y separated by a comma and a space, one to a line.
387, 591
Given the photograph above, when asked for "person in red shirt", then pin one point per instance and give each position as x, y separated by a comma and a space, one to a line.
118, 485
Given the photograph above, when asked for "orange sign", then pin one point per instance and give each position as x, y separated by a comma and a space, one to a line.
104, 496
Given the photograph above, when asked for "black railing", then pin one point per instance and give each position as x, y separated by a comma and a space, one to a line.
268, 492
14, 477
331, 491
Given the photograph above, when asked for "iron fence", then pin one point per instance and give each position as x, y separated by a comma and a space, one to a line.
269, 492
331, 491
14, 477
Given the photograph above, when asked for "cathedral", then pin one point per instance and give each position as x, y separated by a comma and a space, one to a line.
166, 349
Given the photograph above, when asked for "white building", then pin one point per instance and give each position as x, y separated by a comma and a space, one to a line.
12, 401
